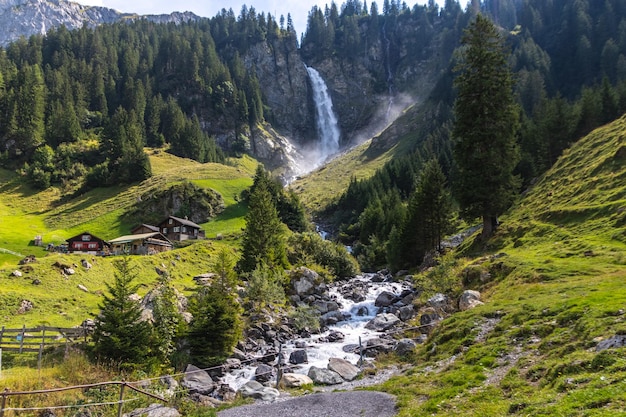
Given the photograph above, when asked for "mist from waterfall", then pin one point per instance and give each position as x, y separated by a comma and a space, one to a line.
327, 127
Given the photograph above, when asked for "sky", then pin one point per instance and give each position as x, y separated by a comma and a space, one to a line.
299, 9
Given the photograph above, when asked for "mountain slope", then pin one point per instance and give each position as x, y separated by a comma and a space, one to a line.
552, 282
31, 17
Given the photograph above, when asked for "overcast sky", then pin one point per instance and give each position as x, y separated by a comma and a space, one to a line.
299, 9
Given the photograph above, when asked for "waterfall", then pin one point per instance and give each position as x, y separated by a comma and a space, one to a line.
327, 128
387, 44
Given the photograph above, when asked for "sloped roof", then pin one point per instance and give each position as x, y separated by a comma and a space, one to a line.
147, 226
184, 221
141, 236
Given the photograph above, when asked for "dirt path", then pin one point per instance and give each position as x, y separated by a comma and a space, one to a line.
327, 404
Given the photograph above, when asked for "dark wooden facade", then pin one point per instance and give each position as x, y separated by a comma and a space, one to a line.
87, 243
177, 229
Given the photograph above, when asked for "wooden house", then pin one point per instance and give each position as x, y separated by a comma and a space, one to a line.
87, 243
140, 244
144, 228
177, 229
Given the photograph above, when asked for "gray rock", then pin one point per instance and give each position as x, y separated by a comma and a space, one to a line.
197, 381
263, 373
385, 299
469, 299
69, 271
17, 274
429, 318
154, 410
82, 288
324, 376
171, 385
441, 302
382, 322
404, 347
614, 342
332, 317
298, 357
253, 389
291, 380
344, 368
406, 313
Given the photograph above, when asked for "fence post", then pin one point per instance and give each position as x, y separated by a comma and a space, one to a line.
1, 334
43, 342
361, 353
279, 370
22, 337
4, 402
121, 401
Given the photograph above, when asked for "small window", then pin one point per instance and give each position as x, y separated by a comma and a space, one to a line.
86, 238
176, 229
170, 221
78, 245
184, 229
165, 230
93, 246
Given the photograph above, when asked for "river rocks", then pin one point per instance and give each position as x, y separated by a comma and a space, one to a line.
263, 373
469, 299
332, 317
291, 380
429, 318
253, 389
154, 410
332, 337
376, 346
324, 376
304, 281
298, 357
382, 322
406, 313
344, 368
197, 381
385, 299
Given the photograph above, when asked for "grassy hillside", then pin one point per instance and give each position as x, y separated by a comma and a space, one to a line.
25, 213
553, 285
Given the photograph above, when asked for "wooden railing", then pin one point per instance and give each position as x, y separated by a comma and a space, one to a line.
36, 339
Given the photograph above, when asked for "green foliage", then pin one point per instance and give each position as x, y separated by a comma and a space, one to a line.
485, 127
309, 247
263, 238
121, 337
167, 319
265, 287
305, 317
216, 326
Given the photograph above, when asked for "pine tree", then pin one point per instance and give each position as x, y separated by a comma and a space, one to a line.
263, 237
486, 123
167, 319
216, 326
120, 335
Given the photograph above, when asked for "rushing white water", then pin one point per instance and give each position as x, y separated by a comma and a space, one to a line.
318, 353
327, 127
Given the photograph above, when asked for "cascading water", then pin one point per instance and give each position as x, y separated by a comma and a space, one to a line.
357, 315
327, 127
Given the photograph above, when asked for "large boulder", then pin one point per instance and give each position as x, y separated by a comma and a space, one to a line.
292, 380
344, 368
429, 319
406, 313
382, 322
441, 302
324, 376
253, 389
263, 373
198, 381
404, 347
385, 299
304, 281
298, 357
469, 299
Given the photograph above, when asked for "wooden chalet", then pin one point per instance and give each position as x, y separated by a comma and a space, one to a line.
177, 229
140, 244
144, 228
87, 243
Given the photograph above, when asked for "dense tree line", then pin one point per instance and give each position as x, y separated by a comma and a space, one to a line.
83, 104
566, 57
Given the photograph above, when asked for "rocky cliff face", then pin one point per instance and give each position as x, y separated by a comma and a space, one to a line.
30, 17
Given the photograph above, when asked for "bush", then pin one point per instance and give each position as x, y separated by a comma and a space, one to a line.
307, 248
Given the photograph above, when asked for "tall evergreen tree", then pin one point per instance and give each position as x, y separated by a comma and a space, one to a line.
263, 237
120, 335
486, 124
